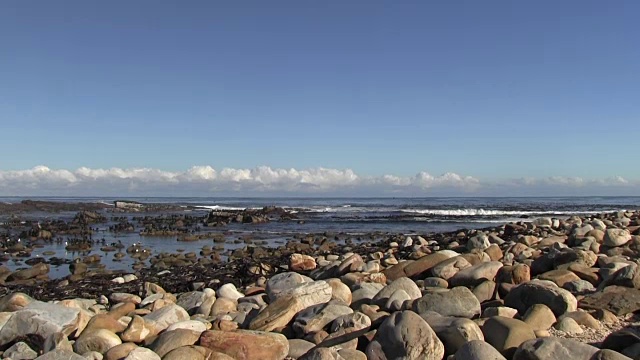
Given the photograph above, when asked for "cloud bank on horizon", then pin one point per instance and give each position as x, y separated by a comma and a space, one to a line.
267, 181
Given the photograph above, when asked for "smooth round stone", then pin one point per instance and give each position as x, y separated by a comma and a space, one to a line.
129, 278
579, 286
539, 317
568, 325
435, 282
554, 348
229, 291
403, 283
299, 347
19, 351
499, 311
100, 340
405, 335
478, 350
142, 354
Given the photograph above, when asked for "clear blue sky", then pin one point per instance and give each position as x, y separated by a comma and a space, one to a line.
491, 89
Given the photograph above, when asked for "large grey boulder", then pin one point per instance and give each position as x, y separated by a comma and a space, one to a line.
166, 316
619, 300
405, 335
99, 340
476, 274
454, 332
20, 351
171, 340
365, 293
315, 318
290, 302
606, 354
506, 334
478, 350
40, 318
285, 281
616, 237
554, 348
59, 354
191, 301
534, 292
403, 283
448, 268
480, 242
458, 301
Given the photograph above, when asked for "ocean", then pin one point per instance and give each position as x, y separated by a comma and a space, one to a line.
395, 215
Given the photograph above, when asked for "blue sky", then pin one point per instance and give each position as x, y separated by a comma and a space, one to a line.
500, 91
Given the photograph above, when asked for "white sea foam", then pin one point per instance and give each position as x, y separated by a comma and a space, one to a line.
488, 212
488, 221
343, 208
221, 208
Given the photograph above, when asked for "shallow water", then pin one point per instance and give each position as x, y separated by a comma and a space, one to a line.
350, 217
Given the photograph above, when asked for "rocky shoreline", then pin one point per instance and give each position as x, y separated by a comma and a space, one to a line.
545, 289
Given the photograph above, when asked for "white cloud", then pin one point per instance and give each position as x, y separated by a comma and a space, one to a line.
264, 180
206, 180
566, 181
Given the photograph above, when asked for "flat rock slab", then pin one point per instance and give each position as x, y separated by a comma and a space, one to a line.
60, 355
246, 344
554, 348
39, 318
619, 300
458, 301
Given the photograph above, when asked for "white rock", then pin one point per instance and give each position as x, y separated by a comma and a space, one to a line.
408, 242
164, 317
142, 354
40, 318
193, 325
229, 291
19, 351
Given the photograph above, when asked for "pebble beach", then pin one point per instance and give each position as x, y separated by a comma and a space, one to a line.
540, 288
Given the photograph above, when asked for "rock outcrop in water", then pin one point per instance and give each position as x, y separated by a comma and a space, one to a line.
546, 289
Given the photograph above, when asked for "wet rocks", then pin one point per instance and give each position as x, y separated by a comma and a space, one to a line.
35, 271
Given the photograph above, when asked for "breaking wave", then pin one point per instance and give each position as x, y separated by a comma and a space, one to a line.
483, 212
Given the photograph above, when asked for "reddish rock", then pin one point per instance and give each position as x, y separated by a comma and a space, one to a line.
246, 344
